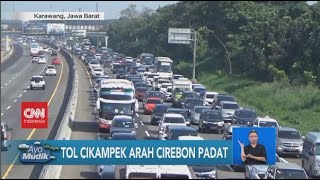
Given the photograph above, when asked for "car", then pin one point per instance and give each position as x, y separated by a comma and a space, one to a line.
51, 70
158, 112
175, 131
150, 105
183, 138
56, 61
152, 94
283, 170
115, 67
221, 97
42, 59
200, 90
35, 59
122, 123
37, 82
210, 96
97, 72
5, 136
140, 71
107, 171
183, 112
289, 142
195, 113
211, 120
53, 52
97, 56
159, 83
205, 171
311, 154
98, 80
244, 116
227, 110
189, 103
123, 136
93, 63
177, 76
141, 84
130, 59
140, 93
227, 132
186, 94
169, 119
265, 122
121, 74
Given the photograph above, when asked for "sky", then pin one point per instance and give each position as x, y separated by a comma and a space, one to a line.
111, 9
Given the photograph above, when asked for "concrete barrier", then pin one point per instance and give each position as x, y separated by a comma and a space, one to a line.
5, 57
65, 128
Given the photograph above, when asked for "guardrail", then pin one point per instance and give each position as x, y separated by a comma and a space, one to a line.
65, 128
5, 57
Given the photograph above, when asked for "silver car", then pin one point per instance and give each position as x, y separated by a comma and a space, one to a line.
289, 142
259, 171
195, 113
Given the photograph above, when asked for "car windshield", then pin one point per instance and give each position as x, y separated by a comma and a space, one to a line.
154, 93
173, 120
148, 60
210, 96
94, 62
115, 96
185, 132
50, 67
290, 174
98, 69
141, 85
199, 89
153, 101
230, 106
36, 79
117, 66
226, 98
116, 108
34, 45
211, 116
160, 109
163, 81
141, 89
164, 67
199, 109
289, 135
247, 114
123, 123
268, 124
190, 95
317, 149
121, 71
151, 75
169, 90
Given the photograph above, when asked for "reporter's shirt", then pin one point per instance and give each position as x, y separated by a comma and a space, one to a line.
258, 151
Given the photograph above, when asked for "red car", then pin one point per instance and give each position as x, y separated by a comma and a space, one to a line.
140, 92
151, 104
56, 61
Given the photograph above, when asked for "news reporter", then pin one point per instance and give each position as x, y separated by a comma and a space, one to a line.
253, 153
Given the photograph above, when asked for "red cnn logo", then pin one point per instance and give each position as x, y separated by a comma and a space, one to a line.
34, 115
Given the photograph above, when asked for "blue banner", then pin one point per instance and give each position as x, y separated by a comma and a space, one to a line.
121, 152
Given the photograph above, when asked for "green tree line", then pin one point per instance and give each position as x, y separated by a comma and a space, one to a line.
265, 41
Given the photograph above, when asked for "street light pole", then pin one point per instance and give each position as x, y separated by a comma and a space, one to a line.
194, 55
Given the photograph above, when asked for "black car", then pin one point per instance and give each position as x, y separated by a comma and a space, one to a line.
123, 136
221, 97
141, 84
183, 112
227, 133
174, 131
157, 113
116, 67
136, 80
244, 116
121, 74
189, 103
211, 120
107, 171
186, 94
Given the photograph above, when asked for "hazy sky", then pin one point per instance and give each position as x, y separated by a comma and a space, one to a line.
111, 9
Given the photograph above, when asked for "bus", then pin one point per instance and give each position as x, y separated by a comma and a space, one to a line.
163, 66
147, 59
115, 97
34, 49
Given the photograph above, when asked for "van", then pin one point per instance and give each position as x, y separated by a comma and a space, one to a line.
311, 154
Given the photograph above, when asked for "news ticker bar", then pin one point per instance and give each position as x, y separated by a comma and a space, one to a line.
26, 16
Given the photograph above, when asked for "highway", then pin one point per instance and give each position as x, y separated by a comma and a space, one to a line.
86, 128
15, 80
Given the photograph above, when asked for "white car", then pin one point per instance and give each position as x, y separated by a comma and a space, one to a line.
97, 56
209, 97
35, 59
266, 122
93, 64
37, 82
130, 59
51, 70
42, 59
24, 43
190, 138
170, 119
96, 72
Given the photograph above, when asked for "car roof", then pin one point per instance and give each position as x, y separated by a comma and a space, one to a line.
179, 127
228, 102
175, 109
288, 129
153, 98
282, 165
267, 118
172, 115
122, 117
212, 92
37, 76
207, 107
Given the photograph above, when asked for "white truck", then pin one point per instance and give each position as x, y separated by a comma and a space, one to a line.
178, 86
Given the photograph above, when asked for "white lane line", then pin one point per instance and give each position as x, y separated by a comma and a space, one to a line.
1, 114
141, 123
14, 101
98, 136
8, 107
147, 133
25, 91
17, 74
20, 95
230, 168
1, 87
137, 114
5, 84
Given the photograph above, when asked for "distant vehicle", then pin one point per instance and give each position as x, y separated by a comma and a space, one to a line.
51, 70
122, 123
190, 103
35, 59
158, 112
221, 97
93, 64
311, 154
289, 142
107, 171
244, 116
97, 56
152, 94
56, 61
115, 67
97, 72
205, 171
140, 93
170, 119
141, 84
211, 120
183, 112
123, 136
285, 171
227, 110
195, 113
201, 91
98, 80
42, 59
130, 59
150, 105
185, 94
5, 136
147, 59
121, 74
34, 48
37, 82
227, 133
174, 131
210, 96
265, 122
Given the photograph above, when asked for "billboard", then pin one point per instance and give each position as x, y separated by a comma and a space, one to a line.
34, 28
55, 29
179, 35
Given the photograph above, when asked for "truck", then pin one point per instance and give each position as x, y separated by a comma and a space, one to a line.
178, 86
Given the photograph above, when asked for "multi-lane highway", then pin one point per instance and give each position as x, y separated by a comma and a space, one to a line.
86, 128
15, 80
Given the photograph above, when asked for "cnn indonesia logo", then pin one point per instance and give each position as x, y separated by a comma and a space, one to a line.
34, 115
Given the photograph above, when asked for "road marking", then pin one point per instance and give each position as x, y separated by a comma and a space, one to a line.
87, 72
230, 168
1, 114
137, 114
14, 101
141, 123
33, 130
1, 87
20, 95
5, 84
98, 136
9, 81
8, 107
17, 74
25, 91
147, 133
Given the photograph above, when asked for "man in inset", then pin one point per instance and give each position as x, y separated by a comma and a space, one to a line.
254, 153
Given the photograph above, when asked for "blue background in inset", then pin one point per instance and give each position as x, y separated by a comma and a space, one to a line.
138, 143
266, 137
